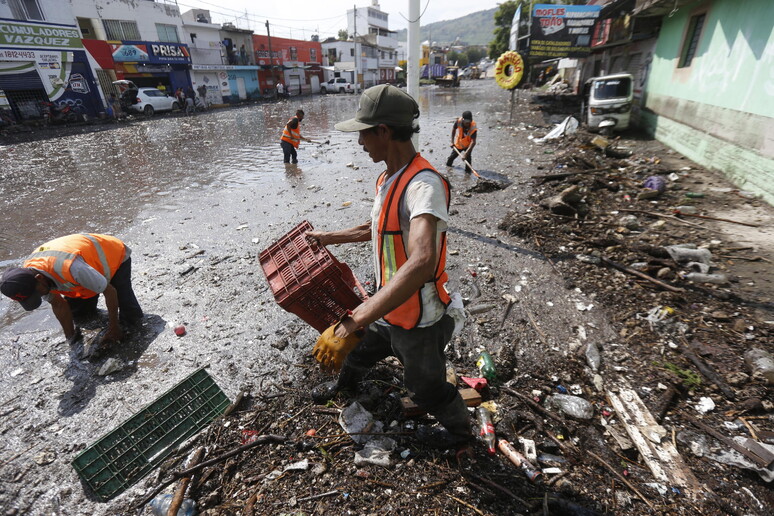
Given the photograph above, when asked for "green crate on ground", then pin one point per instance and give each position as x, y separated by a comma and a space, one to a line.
128, 453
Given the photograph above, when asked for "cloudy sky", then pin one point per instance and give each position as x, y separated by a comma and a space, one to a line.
301, 18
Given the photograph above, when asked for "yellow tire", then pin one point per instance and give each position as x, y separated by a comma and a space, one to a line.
509, 70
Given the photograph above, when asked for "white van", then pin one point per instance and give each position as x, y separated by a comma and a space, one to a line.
607, 102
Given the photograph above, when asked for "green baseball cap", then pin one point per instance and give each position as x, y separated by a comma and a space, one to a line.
383, 104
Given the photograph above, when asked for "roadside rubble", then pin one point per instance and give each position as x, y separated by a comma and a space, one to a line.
640, 452
632, 412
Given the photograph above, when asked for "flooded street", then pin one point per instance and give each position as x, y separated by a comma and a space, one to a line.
197, 198
172, 187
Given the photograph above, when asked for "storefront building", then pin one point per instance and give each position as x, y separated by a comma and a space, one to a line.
149, 63
44, 62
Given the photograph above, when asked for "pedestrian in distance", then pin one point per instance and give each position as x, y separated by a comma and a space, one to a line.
160, 86
190, 101
291, 137
463, 139
70, 272
180, 96
407, 316
280, 90
202, 90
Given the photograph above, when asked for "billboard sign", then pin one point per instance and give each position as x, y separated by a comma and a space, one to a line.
562, 30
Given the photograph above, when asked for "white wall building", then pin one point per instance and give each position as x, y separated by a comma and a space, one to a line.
377, 44
207, 54
129, 20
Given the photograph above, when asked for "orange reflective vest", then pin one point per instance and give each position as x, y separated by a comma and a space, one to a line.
102, 252
464, 139
393, 250
292, 136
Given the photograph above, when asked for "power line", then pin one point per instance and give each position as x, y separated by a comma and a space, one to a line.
261, 16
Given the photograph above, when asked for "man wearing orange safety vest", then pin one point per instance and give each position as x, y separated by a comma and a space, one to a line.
291, 137
463, 139
70, 272
407, 316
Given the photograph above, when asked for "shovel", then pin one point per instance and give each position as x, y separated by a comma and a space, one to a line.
483, 184
466, 162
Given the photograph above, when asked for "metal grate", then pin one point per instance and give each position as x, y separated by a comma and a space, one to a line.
26, 104
128, 453
121, 30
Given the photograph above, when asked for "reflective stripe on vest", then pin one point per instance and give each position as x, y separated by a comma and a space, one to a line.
463, 140
292, 136
393, 251
104, 253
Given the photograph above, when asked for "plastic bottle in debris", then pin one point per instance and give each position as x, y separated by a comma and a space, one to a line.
486, 430
160, 506
761, 363
518, 460
694, 195
571, 405
698, 277
486, 365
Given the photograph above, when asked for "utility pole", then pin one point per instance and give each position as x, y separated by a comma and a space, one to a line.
271, 56
414, 50
357, 54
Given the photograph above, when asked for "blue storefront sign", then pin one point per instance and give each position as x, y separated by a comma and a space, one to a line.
153, 52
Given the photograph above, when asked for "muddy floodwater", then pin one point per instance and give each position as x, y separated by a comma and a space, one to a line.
197, 198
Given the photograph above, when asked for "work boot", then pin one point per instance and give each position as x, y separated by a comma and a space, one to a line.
455, 420
439, 437
326, 391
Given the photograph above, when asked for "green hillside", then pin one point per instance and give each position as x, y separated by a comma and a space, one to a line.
473, 29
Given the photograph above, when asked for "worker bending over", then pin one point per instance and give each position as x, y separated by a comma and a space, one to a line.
463, 139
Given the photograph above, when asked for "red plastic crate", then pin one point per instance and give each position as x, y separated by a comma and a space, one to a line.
307, 280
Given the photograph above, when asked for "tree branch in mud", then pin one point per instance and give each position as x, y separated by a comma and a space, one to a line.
175, 475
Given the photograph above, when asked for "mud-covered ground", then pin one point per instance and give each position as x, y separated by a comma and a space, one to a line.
198, 198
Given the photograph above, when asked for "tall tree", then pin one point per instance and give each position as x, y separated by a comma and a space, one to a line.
343, 36
503, 18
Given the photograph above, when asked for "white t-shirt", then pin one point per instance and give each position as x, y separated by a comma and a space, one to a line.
424, 194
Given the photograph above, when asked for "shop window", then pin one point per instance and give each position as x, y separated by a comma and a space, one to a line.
293, 54
26, 10
167, 33
121, 30
691, 40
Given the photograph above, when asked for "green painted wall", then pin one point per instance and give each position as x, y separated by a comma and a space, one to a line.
719, 111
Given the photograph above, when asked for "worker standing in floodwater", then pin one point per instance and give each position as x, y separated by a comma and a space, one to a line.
463, 139
70, 272
407, 316
291, 137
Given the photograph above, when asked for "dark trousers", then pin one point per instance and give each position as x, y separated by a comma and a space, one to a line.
453, 156
289, 152
424, 368
129, 310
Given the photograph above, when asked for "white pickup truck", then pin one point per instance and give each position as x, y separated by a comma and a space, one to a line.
337, 85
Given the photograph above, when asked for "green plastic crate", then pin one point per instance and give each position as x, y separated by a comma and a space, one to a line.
128, 453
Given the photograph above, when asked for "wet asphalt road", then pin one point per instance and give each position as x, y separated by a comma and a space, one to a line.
172, 187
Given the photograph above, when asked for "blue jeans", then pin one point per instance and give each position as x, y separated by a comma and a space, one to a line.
288, 151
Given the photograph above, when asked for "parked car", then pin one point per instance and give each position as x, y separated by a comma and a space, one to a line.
607, 102
150, 100
337, 85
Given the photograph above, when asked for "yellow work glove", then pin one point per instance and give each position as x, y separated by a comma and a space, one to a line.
331, 350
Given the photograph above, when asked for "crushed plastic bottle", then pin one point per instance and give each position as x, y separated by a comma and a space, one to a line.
593, 357
698, 277
160, 506
486, 365
486, 429
571, 405
761, 363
